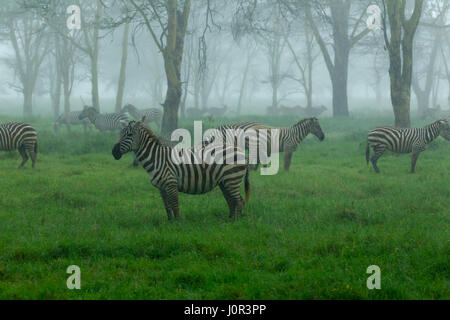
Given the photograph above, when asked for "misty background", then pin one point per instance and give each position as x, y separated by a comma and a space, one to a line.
251, 56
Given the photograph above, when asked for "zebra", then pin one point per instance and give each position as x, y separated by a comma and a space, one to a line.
71, 118
171, 176
21, 136
103, 122
151, 115
288, 138
403, 140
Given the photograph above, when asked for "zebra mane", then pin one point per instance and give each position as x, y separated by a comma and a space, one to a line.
304, 120
151, 134
436, 122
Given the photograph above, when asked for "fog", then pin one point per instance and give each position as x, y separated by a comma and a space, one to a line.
236, 54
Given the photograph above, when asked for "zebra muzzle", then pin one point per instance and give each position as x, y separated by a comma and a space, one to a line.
116, 152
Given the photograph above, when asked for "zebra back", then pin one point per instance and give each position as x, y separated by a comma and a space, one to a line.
403, 140
71, 118
109, 121
151, 114
17, 134
190, 168
103, 122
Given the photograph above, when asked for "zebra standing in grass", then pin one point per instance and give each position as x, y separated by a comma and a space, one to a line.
21, 136
151, 115
71, 118
403, 140
103, 122
288, 138
171, 176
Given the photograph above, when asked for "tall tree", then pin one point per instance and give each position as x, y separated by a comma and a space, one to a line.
123, 67
171, 16
427, 45
445, 47
30, 42
400, 48
337, 14
304, 61
86, 39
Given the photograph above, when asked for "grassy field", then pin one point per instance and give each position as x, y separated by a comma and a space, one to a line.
307, 234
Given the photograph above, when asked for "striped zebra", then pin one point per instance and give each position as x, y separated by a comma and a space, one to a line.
151, 115
403, 140
171, 176
103, 122
71, 118
21, 136
288, 138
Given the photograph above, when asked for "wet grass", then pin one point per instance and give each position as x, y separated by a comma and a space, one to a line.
309, 233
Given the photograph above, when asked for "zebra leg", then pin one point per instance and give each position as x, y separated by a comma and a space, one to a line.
378, 153
166, 204
135, 161
33, 158
24, 155
414, 157
287, 160
170, 197
233, 198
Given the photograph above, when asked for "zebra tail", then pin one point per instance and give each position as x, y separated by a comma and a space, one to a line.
36, 147
247, 184
367, 153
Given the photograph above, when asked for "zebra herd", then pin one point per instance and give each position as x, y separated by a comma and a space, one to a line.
288, 138
170, 176
109, 121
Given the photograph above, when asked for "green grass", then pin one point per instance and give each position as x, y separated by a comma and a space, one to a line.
307, 234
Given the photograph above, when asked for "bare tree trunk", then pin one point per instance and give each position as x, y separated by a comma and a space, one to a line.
423, 95
342, 44
173, 57
94, 83
435, 91
123, 68
446, 67
243, 84
27, 101
94, 57
339, 79
309, 87
55, 88
400, 47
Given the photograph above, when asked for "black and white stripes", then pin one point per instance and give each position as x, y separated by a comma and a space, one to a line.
151, 114
71, 118
288, 138
171, 177
21, 136
103, 122
402, 140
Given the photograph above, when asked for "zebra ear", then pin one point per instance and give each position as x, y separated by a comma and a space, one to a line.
143, 119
